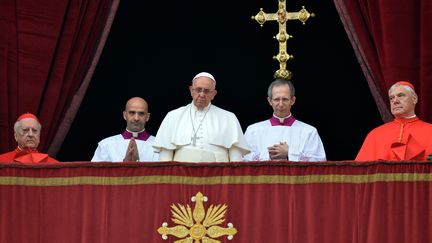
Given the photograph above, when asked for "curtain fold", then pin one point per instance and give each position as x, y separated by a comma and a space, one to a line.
47, 59
389, 38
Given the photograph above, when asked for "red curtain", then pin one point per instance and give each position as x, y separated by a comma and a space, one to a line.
391, 39
48, 52
266, 202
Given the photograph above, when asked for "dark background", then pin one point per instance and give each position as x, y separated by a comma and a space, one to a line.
155, 48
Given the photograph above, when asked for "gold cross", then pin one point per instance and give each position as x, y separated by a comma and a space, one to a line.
281, 16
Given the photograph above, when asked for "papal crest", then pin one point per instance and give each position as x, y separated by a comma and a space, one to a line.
199, 225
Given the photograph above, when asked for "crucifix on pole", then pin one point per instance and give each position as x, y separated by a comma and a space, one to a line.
282, 16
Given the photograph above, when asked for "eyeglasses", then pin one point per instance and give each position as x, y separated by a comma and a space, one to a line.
201, 90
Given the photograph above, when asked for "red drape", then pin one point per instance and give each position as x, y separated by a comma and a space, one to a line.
267, 202
391, 40
48, 51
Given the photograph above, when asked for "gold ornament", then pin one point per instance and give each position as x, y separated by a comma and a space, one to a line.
282, 16
199, 225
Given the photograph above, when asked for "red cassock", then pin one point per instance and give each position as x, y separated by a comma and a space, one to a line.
24, 156
401, 139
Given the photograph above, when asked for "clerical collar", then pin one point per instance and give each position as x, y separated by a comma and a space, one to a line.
286, 121
195, 109
25, 150
407, 119
142, 135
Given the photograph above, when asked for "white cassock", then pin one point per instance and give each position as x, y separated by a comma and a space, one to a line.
304, 143
209, 135
113, 149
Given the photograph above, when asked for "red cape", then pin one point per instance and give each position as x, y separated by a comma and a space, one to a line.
401, 139
26, 157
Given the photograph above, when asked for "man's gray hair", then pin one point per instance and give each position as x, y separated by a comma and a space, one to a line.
17, 125
406, 87
280, 82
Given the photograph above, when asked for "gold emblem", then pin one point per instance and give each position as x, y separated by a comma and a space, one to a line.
198, 226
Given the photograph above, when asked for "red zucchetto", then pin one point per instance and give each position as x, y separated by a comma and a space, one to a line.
406, 83
27, 115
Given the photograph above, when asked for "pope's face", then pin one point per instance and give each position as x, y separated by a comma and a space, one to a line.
202, 92
402, 102
281, 100
27, 135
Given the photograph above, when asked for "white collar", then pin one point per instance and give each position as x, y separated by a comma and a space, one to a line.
195, 109
282, 119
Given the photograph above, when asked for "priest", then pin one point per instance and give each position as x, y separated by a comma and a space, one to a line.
27, 130
406, 137
134, 144
200, 131
283, 137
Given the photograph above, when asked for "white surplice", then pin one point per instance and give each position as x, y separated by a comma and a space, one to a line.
113, 149
303, 141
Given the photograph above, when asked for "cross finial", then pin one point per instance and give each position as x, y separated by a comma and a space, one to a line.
282, 16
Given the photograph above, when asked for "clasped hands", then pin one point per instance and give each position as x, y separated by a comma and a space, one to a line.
278, 151
132, 151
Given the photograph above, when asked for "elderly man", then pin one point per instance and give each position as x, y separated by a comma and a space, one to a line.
406, 137
282, 137
135, 143
201, 131
27, 130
